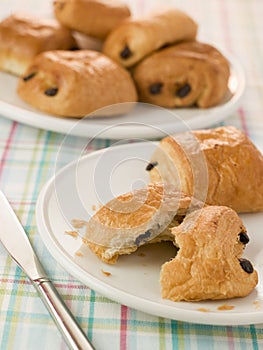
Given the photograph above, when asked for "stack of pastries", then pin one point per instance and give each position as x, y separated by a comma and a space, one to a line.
199, 182
155, 59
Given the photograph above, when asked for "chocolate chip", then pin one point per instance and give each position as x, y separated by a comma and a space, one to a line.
243, 237
246, 265
51, 91
150, 166
156, 88
126, 53
183, 91
29, 76
142, 238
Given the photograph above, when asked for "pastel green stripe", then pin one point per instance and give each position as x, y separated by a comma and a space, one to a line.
162, 333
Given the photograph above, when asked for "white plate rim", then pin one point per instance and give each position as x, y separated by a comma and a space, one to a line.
124, 129
120, 296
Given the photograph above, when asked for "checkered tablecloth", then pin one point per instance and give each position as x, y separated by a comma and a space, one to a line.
28, 158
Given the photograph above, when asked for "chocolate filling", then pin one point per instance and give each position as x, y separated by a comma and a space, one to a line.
150, 166
143, 238
29, 76
51, 91
156, 88
243, 237
246, 265
126, 53
183, 91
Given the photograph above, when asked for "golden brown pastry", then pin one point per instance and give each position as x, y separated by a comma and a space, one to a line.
209, 263
76, 84
92, 17
22, 37
220, 166
186, 74
136, 218
136, 38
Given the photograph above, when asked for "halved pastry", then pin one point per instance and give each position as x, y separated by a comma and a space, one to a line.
134, 39
77, 84
23, 36
220, 166
209, 262
182, 75
136, 218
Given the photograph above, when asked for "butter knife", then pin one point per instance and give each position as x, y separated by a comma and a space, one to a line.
16, 242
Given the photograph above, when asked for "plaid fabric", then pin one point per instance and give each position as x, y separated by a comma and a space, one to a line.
28, 158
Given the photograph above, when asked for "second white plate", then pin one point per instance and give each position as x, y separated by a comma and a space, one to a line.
78, 190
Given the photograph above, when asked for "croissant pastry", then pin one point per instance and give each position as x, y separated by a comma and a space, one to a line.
219, 166
136, 218
209, 262
133, 39
183, 75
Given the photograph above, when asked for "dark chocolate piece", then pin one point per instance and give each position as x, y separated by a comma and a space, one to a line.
246, 265
142, 238
243, 237
29, 76
156, 88
126, 53
183, 91
150, 166
51, 91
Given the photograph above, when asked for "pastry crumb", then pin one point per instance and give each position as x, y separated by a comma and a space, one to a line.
78, 253
203, 309
77, 223
142, 255
257, 304
94, 208
106, 273
72, 233
225, 307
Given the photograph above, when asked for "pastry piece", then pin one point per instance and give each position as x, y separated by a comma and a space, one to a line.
135, 38
186, 74
220, 166
92, 17
209, 263
136, 218
22, 37
77, 84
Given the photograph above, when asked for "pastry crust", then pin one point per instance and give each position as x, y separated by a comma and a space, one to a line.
77, 84
22, 37
209, 262
186, 74
136, 38
92, 17
231, 174
136, 218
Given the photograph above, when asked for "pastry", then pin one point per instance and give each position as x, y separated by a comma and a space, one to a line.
92, 17
136, 218
77, 84
209, 262
136, 38
22, 37
186, 74
220, 166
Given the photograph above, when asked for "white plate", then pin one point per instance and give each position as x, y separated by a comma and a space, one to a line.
143, 122
95, 179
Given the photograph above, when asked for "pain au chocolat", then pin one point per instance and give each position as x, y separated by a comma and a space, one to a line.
77, 84
220, 166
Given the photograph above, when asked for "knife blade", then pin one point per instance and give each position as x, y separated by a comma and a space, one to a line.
16, 242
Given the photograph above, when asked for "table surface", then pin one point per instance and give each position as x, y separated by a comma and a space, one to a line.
28, 158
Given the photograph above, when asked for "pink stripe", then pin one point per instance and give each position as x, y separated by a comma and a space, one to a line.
242, 117
7, 147
231, 345
225, 23
123, 336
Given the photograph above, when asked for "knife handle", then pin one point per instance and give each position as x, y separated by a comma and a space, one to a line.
65, 321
